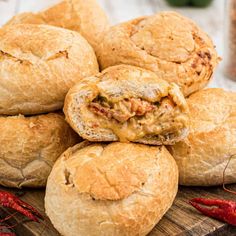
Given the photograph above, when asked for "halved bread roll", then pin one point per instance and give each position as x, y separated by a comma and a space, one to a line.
38, 65
169, 44
204, 154
110, 189
127, 103
29, 146
86, 17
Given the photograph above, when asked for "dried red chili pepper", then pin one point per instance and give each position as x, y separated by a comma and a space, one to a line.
222, 210
7, 234
11, 201
3, 228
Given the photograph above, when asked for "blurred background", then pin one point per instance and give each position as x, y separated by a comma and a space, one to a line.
210, 18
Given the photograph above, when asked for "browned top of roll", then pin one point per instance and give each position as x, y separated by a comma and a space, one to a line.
169, 44
38, 65
117, 189
86, 17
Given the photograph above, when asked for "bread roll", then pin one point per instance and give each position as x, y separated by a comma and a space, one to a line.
203, 155
127, 103
29, 146
38, 65
84, 16
110, 189
170, 45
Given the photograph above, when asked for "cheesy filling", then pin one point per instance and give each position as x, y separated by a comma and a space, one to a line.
133, 118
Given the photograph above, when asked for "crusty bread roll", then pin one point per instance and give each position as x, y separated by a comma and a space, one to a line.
29, 146
84, 16
203, 155
127, 103
38, 65
110, 189
168, 44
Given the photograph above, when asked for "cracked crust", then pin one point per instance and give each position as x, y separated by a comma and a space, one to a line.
29, 146
110, 189
38, 65
170, 45
118, 82
203, 155
86, 17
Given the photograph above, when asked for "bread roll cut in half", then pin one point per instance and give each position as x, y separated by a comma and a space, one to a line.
86, 17
169, 44
110, 189
29, 146
127, 103
204, 154
38, 65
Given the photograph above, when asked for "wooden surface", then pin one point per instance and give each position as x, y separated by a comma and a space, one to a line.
181, 219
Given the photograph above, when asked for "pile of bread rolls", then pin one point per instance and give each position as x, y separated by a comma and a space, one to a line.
121, 179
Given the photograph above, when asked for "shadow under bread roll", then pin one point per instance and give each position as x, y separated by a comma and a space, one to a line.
110, 189
204, 154
167, 43
29, 146
127, 103
38, 65
86, 17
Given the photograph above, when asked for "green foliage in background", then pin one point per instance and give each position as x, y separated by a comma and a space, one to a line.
197, 3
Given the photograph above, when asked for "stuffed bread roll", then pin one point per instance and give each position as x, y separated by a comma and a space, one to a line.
38, 65
111, 189
29, 147
203, 155
127, 103
167, 43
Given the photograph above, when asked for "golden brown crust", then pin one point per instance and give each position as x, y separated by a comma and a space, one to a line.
117, 83
38, 65
110, 189
86, 17
203, 155
168, 44
29, 146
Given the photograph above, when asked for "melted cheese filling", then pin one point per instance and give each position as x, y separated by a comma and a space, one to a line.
163, 118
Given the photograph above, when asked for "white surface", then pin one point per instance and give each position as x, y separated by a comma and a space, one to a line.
211, 19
